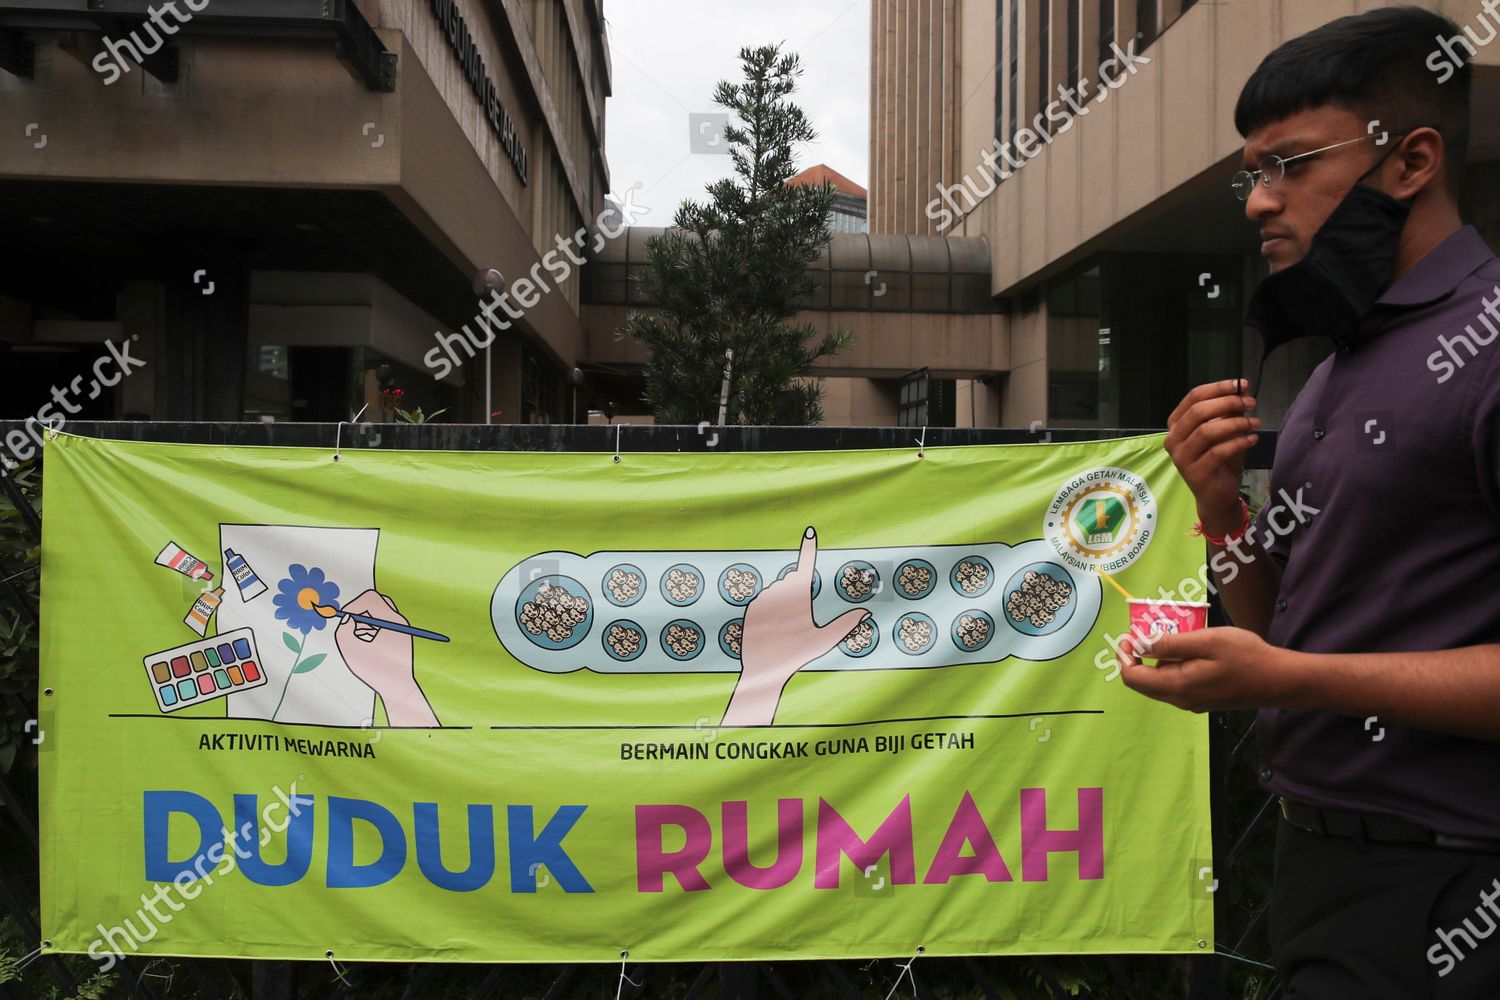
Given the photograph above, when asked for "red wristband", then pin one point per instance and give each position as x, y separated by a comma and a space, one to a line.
1234, 537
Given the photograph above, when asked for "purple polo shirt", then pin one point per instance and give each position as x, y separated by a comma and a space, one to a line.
1396, 442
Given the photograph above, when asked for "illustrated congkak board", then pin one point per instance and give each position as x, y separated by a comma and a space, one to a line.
550, 707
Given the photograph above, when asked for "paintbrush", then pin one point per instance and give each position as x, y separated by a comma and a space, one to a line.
420, 633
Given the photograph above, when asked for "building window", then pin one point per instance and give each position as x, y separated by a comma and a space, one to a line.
538, 388
1149, 22
1015, 64
1074, 54
1106, 30
1044, 55
926, 401
1000, 135
1077, 350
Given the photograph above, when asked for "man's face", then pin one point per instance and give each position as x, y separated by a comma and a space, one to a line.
1295, 206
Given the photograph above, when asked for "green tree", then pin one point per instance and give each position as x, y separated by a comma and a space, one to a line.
730, 276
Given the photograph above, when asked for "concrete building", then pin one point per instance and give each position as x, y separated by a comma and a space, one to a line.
289, 207
281, 203
919, 307
289, 210
1119, 257
850, 201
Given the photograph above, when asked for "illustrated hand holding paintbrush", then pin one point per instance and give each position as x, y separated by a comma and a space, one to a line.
376, 643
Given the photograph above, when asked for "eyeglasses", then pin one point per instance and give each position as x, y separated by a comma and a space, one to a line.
1273, 168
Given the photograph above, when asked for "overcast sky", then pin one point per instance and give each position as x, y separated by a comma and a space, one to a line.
669, 54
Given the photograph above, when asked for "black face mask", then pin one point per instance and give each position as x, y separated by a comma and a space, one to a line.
1334, 287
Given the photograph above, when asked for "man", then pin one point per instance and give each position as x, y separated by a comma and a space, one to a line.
1368, 622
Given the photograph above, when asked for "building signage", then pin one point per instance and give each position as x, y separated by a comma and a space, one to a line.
456, 29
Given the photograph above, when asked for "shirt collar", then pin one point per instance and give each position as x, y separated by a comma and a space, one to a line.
1436, 275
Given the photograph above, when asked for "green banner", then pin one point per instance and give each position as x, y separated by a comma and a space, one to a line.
545, 707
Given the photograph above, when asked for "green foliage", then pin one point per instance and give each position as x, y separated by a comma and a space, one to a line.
731, 273
23, 973
96, 987
20, 564
417, 417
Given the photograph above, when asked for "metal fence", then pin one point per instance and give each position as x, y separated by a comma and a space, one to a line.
1239, 826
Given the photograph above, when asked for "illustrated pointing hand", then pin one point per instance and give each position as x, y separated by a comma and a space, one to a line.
780, 638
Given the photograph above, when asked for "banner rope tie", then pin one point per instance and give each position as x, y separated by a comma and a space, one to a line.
28, 958
336, 970
904, 973
1228, 953
48, 431
338, 431
922, 444
620, 987
618, 429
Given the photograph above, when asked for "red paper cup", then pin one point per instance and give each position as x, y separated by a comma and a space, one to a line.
1149, 619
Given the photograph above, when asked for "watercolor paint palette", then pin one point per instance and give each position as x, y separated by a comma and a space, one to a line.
204, 670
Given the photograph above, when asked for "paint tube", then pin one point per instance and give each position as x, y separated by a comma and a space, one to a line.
203, 609
244, 577
173, 557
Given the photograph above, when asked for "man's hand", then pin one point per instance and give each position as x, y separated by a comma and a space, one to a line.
1211, 670
1207, 437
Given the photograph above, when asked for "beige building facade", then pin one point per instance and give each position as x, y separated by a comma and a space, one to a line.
291, 209
1120, 259
283, 203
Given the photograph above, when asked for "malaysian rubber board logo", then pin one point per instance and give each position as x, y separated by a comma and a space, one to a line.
1101, 519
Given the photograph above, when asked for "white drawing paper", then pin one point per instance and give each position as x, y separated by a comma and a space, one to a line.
329, 694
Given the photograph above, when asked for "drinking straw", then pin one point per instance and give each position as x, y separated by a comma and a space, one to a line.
1111, 581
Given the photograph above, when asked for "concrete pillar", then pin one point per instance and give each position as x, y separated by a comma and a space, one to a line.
505, 388
1024, 397
1031, 53
141, 310
909, 122
914, 110
203, 361
978, 402
949, 163
876, 14
1056, 14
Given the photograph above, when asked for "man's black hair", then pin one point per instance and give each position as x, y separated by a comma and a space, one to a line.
1378, 65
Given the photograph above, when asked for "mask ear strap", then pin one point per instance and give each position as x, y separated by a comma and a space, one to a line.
1380, 163
1251, 388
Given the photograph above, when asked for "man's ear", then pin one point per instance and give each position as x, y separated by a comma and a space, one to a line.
1420, 164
